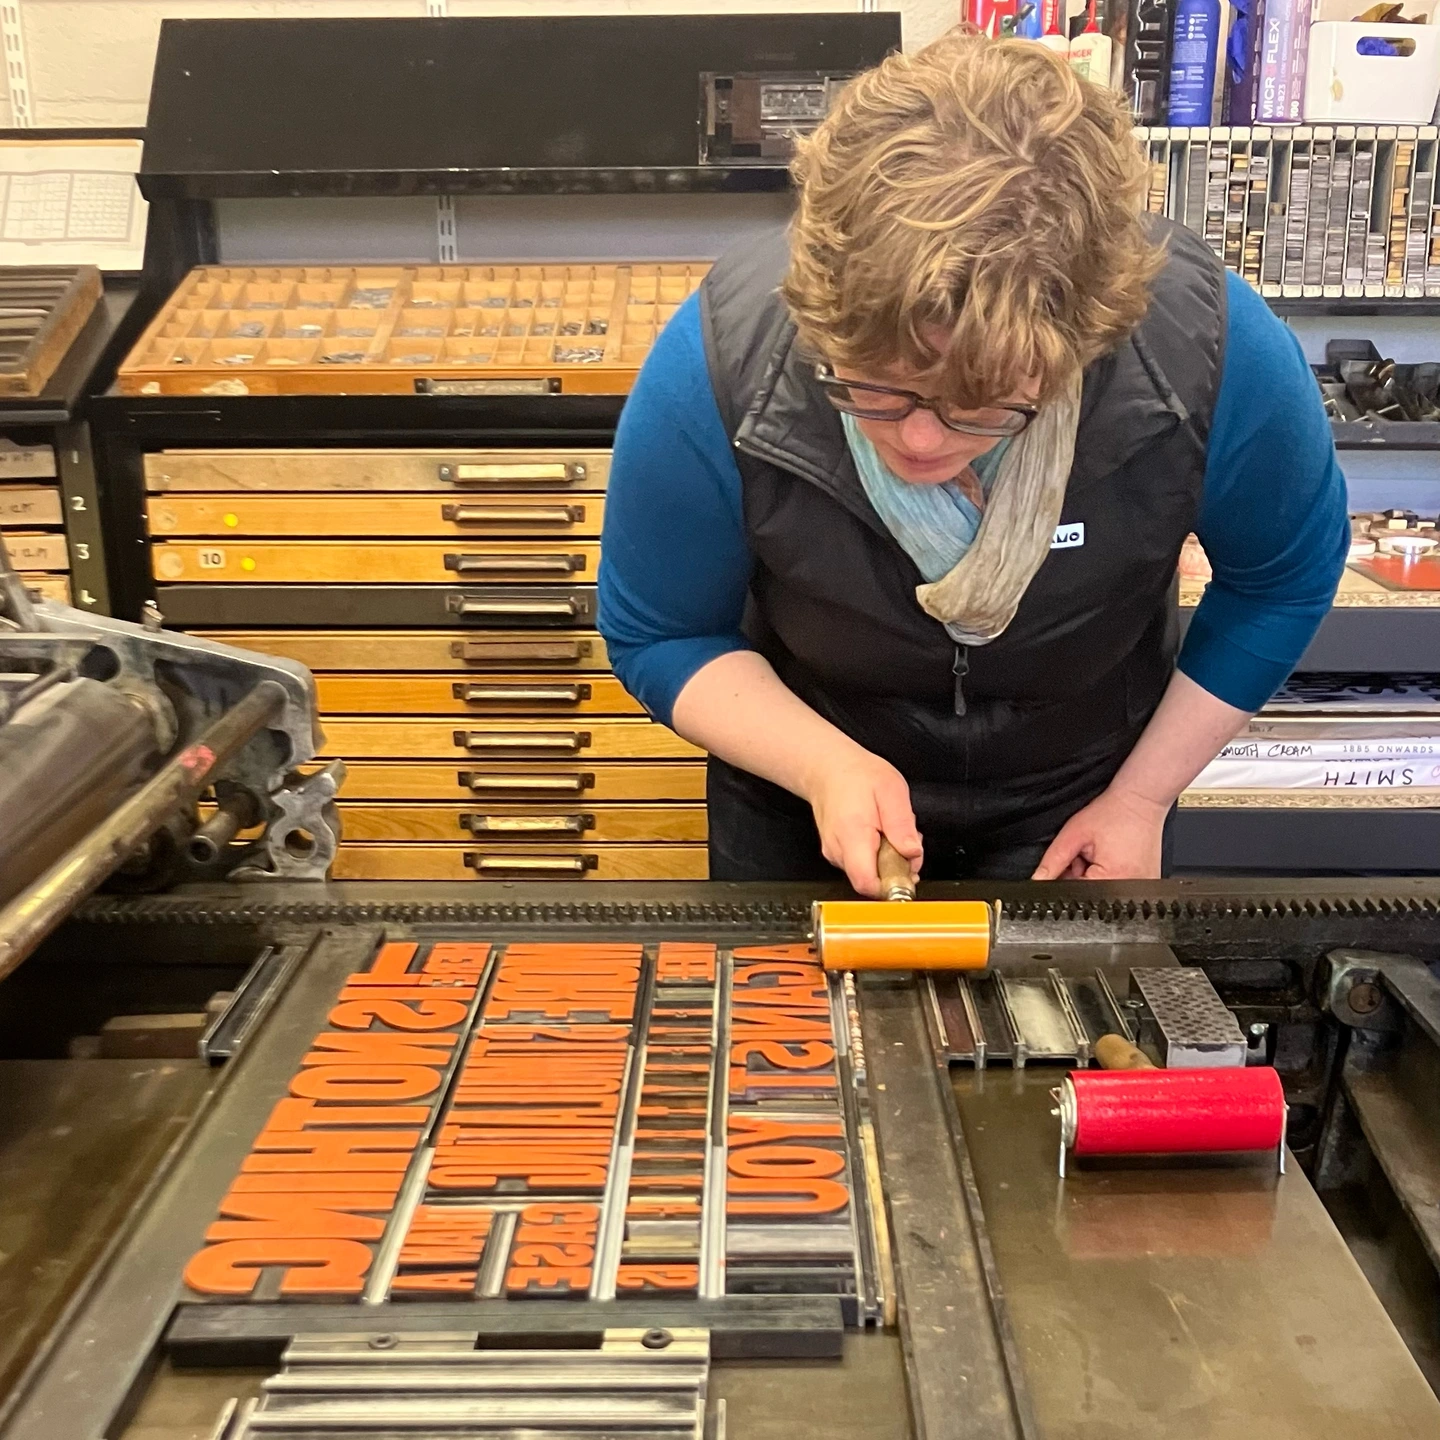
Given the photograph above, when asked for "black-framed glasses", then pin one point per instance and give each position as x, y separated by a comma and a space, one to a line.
882, 402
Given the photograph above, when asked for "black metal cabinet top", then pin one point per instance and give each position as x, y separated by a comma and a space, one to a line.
415, 106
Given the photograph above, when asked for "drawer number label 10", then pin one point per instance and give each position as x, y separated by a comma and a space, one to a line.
212, 559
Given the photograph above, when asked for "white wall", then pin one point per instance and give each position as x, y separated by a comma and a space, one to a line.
89, 61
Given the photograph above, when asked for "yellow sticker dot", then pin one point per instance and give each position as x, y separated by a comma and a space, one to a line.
247, 563
232, 520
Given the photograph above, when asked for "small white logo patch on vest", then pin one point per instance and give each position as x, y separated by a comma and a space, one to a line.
1069, 537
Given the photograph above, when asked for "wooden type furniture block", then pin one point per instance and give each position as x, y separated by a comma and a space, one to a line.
475, 694
503, 824
577, 861
42, 309
543, 781
349, 562
402, 651
511, 513
390, 739
405, 329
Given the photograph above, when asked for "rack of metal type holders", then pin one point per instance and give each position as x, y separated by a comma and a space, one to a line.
1307, 211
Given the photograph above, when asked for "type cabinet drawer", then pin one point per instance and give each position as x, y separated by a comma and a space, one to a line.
25, 505
37, 552
513, 824
540, 862
477, 694
417, 607
447, 472
621, 739
502, 781
407, 650
512, 513
404, 562
48, 587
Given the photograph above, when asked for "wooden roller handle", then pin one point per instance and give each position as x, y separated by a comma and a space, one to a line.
896, 880
1115, 1052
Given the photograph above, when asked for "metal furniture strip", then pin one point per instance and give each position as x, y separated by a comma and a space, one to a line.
955, 1365
797, 1327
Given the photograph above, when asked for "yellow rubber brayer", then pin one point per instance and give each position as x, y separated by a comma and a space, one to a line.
899, 933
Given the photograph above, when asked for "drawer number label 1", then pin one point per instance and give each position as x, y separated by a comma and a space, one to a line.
212, 559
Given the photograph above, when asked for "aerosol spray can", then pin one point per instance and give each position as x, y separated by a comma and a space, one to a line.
1195, 41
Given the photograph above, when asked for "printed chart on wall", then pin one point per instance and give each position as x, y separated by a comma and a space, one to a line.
68, 202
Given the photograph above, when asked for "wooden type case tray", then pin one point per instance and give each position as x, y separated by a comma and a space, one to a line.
405, 329
42, 309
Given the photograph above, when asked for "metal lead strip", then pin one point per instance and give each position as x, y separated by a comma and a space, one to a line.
713, 1190
1066, 1002
972, 1016
862, 1235
933, 1015
1122, 1020
1019, 1046
610, 1238
387, 1253
490, 1280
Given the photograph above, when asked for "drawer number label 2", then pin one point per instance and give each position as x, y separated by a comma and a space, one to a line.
212, 559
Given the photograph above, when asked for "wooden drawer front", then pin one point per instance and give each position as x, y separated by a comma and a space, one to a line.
418, 607
446, 472
540, 862
25, 505
523, 825
37, 552
499, 782
474, 695
327, 515
48, 587
405, 562
505, 740
405, 650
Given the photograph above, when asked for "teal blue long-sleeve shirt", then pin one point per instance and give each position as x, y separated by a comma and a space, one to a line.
1273, 519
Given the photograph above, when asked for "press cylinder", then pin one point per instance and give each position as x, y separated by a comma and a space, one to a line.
1171, 1112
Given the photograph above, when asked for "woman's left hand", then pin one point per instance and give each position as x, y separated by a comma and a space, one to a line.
1115, 837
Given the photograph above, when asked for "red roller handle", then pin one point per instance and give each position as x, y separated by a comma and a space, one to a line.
1177, 1112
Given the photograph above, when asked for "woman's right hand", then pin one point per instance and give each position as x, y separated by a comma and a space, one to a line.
856, 800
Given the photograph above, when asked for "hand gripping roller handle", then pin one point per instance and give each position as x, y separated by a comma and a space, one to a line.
895, 934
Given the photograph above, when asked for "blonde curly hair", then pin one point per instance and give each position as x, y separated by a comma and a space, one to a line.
979, 189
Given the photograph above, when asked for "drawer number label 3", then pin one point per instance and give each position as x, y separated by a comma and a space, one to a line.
212, 559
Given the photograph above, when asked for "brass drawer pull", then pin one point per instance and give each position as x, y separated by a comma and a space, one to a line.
530, 864
516, 473
560, 516
545, 742
567, 609
522, 694
505, 652
503, 564
478, 782
527, 824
